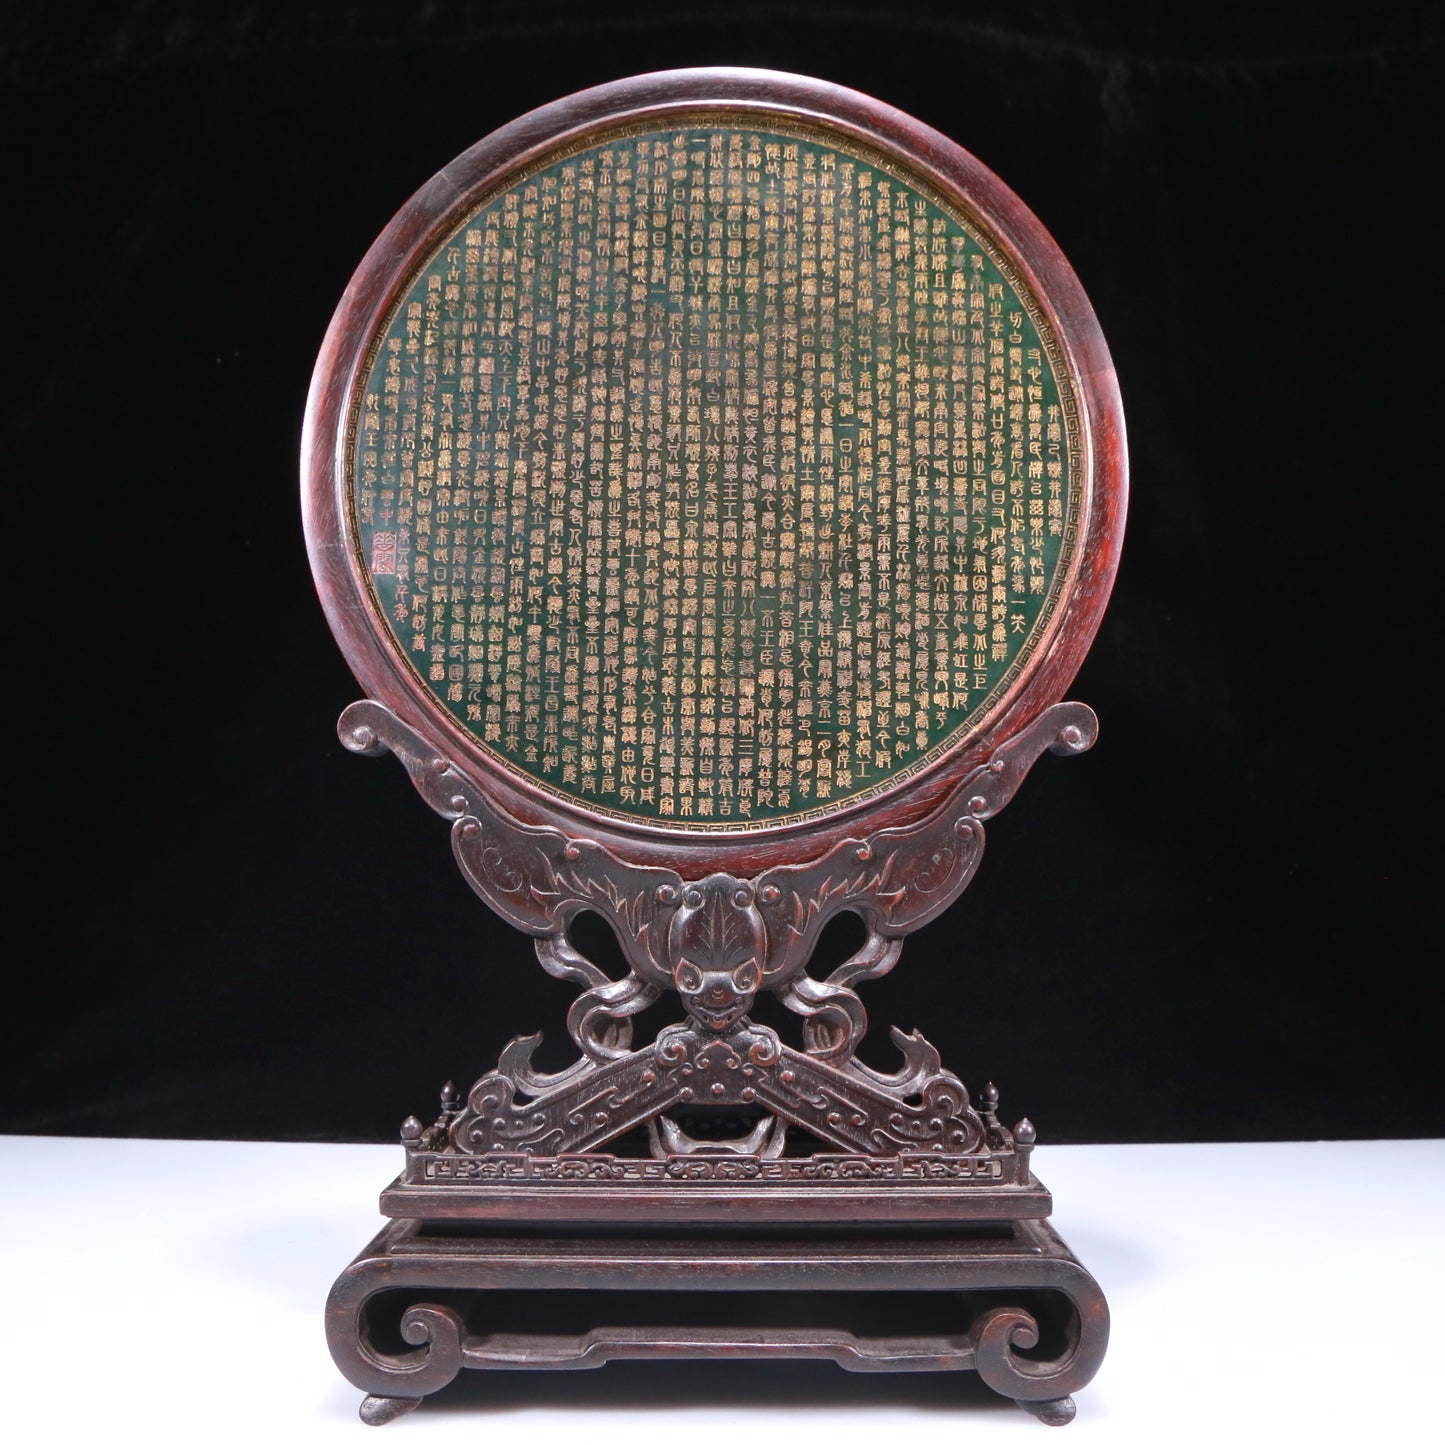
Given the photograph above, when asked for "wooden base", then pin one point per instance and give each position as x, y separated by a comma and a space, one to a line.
426, 1300
718, 1192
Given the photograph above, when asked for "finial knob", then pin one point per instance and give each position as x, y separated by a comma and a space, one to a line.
411, 1129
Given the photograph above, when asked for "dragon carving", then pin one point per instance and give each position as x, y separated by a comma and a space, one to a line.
715, 942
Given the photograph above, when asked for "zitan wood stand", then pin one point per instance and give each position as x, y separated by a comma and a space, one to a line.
910, 1190
996, 1282
581, 493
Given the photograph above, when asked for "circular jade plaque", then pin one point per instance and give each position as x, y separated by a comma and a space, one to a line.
715, 475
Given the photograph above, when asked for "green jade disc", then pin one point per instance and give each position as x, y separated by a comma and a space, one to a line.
716, 478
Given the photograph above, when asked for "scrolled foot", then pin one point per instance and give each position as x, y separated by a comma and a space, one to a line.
379, 1409
1051, 1412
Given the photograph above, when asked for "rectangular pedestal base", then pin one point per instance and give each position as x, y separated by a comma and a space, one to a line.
426, 1300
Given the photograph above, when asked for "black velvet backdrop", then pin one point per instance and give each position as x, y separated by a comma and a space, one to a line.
1220, 924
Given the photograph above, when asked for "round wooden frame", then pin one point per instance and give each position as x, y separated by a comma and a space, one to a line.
438, 207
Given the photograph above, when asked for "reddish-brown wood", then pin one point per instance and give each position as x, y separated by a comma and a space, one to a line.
509, 1187
1001, 1292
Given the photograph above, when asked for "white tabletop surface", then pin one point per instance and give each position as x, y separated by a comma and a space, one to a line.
1273, 1292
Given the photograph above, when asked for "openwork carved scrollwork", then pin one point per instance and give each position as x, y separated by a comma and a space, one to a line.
715, 942
851, 1108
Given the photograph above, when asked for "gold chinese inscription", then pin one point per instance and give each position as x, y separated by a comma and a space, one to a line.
716, 477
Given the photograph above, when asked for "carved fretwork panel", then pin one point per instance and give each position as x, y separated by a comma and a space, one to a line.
714, 942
